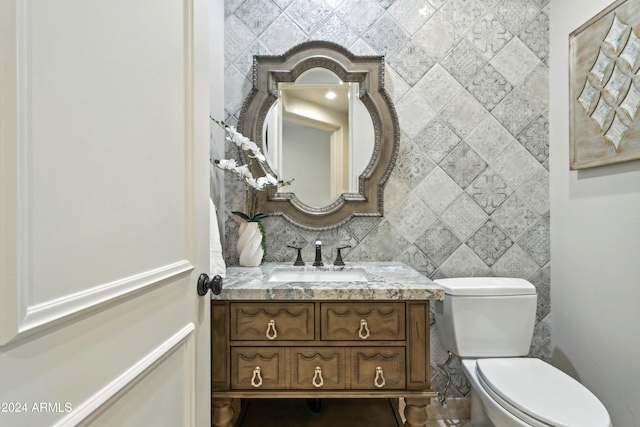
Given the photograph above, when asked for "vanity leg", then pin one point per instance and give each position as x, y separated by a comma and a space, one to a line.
222, 413
415, 411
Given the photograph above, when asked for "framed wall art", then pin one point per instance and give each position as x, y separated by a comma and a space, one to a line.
604, 87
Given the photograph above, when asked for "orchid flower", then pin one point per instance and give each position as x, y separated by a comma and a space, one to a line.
243, 172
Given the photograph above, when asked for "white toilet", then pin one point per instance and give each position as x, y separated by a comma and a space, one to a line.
488, 322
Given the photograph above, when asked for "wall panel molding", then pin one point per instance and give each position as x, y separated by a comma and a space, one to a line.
103, 399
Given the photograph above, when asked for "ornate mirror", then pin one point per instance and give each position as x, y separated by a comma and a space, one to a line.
322, 117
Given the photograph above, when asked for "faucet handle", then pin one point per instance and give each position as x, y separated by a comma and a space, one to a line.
299, 260
339, 260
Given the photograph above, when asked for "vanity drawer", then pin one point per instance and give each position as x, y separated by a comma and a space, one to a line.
318, 368
377, 368
258, 368
363, 321
272, 321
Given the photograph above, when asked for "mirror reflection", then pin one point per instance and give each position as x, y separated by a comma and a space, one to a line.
319, 131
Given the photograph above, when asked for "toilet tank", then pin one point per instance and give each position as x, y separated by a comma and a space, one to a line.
486, 316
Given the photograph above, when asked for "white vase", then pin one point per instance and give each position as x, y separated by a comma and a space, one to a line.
250, 244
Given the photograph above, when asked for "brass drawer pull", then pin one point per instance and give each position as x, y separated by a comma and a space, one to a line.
363, 333
271, 326
379, 380
318, 376
256, 380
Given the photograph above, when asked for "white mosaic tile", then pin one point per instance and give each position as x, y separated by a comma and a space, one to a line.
438, 242
437, 139
361, 47
233, 98
413, 113
237, 37
463, 165
515, 164
516, 14
411, 14
385, 242
244, 62
516, 112
404, 217
438, 95
335, 30
385, 35
438, 190
464, 113
489, 190
536, 35
489, 138
463, 62
359, 14
464, 263
535, 190
308, 14
282, 35
536, 139
541, 344
413, 257
515, 61
535, 87
411, 62
515, 216
463, 216
257, 15
462, 13
515, 263
489, 87
395, 191
437, 36
394, 84
489, 36
536, 242
489, 242
412, 165
542, 282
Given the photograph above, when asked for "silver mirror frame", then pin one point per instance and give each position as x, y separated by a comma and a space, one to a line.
369, 71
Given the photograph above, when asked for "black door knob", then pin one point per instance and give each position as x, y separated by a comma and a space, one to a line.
204, 284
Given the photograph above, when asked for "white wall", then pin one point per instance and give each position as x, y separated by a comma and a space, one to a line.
595, 248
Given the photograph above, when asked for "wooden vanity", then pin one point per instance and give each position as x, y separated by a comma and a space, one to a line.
322, 339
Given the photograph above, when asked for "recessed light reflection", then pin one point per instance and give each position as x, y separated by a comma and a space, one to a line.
330, 95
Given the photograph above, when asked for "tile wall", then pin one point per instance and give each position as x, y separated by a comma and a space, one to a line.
469, 193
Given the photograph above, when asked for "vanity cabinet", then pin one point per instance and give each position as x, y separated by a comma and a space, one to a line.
293, 349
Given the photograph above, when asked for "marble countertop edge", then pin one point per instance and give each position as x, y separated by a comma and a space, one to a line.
385, 281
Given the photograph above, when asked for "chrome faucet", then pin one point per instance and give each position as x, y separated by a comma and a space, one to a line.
318, 261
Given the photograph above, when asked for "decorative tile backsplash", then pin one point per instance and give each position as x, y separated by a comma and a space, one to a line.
469, 195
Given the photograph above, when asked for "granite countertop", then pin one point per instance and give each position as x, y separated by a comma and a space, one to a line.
385, 281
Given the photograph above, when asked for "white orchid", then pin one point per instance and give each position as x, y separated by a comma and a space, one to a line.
243, 172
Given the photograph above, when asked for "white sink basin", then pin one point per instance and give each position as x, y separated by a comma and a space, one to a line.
293, 275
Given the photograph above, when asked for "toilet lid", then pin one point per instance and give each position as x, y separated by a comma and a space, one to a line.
542, 392
486, 286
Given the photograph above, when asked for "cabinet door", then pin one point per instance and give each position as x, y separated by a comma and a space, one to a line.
272, 321
318, 368
363, 321
257, 369
378, 368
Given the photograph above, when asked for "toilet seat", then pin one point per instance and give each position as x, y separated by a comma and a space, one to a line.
540, 394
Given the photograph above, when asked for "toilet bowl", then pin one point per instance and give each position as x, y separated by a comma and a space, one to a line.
488, 322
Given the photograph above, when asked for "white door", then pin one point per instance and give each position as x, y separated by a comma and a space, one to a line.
103, 213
